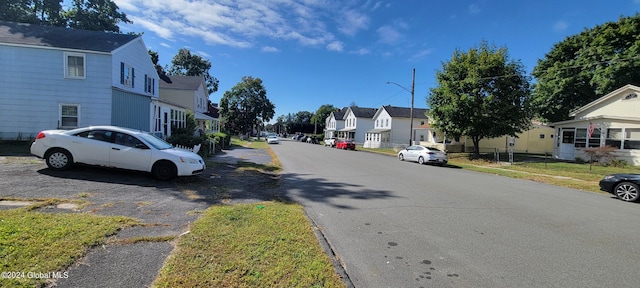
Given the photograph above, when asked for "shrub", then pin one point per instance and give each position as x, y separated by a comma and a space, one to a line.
602, 155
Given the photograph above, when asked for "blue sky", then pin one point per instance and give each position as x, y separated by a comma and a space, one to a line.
314, 52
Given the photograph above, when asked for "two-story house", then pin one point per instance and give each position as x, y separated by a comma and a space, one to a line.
334, 123
357, 120
392, 126
189, 92
60, 78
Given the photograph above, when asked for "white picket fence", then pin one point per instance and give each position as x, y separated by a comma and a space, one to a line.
195, 149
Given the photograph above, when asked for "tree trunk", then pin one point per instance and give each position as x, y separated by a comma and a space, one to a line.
476, 147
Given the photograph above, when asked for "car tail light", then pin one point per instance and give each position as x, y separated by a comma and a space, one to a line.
40, 136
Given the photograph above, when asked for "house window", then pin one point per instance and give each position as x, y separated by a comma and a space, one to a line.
614, 138
541, 136
632, 138
69, 115
127, 75
149, 84
74, 65
386, 124
580, 138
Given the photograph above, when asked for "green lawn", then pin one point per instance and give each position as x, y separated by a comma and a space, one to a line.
32, 242
269, 244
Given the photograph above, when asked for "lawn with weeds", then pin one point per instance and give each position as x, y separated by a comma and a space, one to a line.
33, 242
582, 176
266, 244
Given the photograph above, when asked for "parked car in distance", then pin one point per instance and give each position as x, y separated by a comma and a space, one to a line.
423, 155
624, 186
117, 147
272, 139
345, 144
331, 142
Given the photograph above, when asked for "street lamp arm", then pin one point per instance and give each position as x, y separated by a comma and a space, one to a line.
413, 83
404, 88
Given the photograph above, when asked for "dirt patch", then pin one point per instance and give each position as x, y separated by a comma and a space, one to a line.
229, 183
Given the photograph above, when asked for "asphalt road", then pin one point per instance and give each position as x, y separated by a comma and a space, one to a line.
400, 224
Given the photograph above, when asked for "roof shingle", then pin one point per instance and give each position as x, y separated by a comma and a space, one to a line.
59, 37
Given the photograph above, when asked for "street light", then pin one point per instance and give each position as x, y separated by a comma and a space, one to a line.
413, 82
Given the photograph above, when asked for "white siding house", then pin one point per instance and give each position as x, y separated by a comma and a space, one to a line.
612, 120
357, 121
334, 123
66, 78
392, 126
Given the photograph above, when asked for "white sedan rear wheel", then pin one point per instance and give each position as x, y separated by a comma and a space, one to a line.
59, 159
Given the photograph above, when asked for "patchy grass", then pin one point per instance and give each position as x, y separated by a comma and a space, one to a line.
571, 175
250, 245
36, 242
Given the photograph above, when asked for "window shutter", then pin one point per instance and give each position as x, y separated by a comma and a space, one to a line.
153, 86
133, 78
121, 72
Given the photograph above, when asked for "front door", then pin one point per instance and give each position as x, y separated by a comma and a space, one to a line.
567, 144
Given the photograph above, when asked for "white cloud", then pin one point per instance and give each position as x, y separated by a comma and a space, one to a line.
153, 27
269, 49
361, 51
239, 23
389, 35
353, 21
335, 46
202, 54
474, 9
560, 26
421, 54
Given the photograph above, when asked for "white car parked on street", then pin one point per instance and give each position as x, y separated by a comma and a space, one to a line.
423, 155
117, 147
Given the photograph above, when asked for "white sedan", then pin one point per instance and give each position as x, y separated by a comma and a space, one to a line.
117, 147
272, 139
422, 155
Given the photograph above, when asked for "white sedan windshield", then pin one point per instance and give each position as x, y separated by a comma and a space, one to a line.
155, 141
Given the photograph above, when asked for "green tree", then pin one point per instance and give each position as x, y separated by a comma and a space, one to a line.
587, 66
97, 15
185, 63
481, 94
246, 105
42, 12
321, 115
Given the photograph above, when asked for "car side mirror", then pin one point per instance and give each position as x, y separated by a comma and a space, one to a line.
141, 146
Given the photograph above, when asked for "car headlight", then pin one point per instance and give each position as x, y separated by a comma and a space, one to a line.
188, 160
609, 177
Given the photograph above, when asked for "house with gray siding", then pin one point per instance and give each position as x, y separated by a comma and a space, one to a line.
60, 78
191, 93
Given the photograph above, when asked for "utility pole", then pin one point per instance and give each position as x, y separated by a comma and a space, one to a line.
413, 84
412, 91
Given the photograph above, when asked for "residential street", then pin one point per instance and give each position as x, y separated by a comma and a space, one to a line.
399, 224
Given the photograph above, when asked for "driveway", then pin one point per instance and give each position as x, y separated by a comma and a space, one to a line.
169, 208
